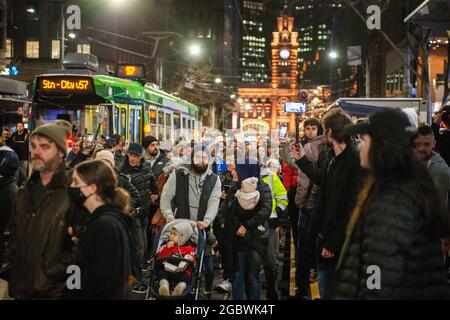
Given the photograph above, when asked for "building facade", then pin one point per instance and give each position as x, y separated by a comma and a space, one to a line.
262, 107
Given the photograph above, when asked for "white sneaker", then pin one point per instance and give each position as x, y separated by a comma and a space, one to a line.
225, 286
164, 288
179, 289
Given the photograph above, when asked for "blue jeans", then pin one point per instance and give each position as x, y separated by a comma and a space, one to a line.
250, 263
326, 268
138, 245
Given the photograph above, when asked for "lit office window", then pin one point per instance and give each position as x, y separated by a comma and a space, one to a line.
8, 54
84, 48
32, 49
56, 49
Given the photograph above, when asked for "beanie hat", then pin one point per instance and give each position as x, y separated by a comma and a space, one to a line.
105, 155
58, 131
135, 148
247, 168
185, 232
9, 162
148, 140
66, 124
248, 196
391, 125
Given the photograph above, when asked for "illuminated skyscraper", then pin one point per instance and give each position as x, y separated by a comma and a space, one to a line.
317, 26
254, 43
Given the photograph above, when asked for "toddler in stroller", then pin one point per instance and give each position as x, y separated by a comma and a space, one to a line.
176, 257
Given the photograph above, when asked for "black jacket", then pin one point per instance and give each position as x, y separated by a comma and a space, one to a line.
390, 235
232, 216
159, 164
124, 182
21, 144
104, 256
339, 187
442, 142
143, 180
79, 158
119, 159
8, 192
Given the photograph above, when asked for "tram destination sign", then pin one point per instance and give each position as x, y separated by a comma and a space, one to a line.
65, 85
130, 71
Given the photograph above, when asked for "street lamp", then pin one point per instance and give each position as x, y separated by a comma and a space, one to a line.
333, 55
194, 50
31, 10
218, 80
117, 3
72, 35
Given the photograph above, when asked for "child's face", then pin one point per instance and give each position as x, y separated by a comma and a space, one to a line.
174, 236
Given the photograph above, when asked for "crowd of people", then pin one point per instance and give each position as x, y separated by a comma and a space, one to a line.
353, 195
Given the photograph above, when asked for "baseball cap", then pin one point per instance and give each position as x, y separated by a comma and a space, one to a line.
391, 125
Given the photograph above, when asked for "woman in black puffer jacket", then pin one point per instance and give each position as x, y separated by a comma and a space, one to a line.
245, 229
393, 246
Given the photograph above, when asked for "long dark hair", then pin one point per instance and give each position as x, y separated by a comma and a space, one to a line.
393, 162
99, 173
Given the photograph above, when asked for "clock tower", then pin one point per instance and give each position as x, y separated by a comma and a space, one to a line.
263, 108
284, 54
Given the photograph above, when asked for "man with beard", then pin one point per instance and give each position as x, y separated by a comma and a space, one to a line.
41, 247
424, 143
20, 140
154, 155
195, 191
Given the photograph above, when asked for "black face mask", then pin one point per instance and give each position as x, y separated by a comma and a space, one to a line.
199, 169
76, 196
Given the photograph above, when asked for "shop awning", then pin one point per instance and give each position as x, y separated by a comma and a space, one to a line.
12, 87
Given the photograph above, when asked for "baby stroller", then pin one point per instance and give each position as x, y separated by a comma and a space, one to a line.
198, 240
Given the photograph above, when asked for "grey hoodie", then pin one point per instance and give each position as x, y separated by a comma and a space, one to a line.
169, 192
440, 172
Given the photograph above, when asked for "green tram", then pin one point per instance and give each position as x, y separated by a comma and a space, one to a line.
108, 105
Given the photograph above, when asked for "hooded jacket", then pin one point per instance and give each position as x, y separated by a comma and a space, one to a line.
104, 256
440, 172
